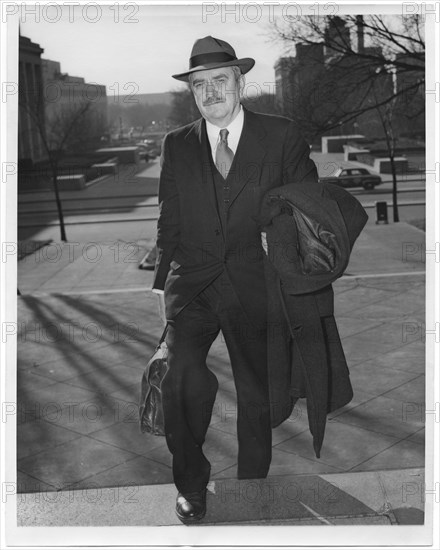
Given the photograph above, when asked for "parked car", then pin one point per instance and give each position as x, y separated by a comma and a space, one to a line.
153, 147
144, 153
353, 177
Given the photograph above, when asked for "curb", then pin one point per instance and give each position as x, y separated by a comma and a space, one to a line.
356, 498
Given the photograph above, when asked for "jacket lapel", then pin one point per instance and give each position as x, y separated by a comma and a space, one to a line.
249, 157
199, 161
248, 160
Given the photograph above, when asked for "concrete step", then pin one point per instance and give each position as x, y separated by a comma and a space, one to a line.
387, 497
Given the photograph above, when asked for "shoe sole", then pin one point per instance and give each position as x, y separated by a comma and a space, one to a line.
193, 519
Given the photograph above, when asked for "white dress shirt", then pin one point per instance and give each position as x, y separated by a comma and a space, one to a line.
235, 128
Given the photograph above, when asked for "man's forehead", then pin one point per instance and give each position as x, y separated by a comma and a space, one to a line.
209, 74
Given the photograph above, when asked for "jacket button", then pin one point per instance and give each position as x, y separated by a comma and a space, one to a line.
217, 232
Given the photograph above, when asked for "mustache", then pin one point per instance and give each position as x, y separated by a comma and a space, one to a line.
213, 101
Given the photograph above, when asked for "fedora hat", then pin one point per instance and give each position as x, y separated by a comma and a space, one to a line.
211, 53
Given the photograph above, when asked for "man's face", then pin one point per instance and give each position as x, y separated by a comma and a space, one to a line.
217, 94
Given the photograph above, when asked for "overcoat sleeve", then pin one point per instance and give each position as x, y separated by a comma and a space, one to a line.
297, 165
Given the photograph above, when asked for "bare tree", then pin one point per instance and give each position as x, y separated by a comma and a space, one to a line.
57, 131
183, 109
377, 83
137, 114
386, 114
262, 103
341, 76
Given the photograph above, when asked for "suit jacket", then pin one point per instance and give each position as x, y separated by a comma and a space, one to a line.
192, 247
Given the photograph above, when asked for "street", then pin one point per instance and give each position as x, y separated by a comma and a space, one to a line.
129, 199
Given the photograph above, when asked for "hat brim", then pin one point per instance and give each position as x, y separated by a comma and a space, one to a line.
245, 64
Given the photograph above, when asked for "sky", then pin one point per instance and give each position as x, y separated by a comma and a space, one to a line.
136, 49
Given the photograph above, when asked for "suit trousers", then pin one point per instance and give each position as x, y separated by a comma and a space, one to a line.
189, 387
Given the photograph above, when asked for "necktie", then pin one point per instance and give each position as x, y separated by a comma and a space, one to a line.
223, 155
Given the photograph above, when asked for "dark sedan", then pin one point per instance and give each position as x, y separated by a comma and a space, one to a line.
353, 177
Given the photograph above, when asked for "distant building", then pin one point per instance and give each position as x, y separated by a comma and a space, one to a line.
297, 76
283, 79
65, 95
30, 145
412, 102
48, 101
336, 34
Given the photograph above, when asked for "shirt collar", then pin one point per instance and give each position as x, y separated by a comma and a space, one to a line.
234, 129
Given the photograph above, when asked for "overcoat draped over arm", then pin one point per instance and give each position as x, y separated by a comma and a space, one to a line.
310, 230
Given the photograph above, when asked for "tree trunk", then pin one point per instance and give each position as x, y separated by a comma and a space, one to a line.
393, 172
391, 146
58, 201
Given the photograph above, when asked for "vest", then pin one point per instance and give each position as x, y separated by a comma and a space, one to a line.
222, 187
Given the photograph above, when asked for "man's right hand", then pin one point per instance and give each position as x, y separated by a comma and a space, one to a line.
161, 305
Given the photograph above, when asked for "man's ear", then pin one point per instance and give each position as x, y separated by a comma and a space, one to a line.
242, 84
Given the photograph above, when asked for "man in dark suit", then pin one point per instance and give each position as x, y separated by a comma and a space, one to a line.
210, 267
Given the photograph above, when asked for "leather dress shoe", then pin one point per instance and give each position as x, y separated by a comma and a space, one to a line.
191, 507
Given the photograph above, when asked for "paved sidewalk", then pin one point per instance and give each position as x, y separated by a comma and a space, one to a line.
368, 498
88, 325
90, 264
